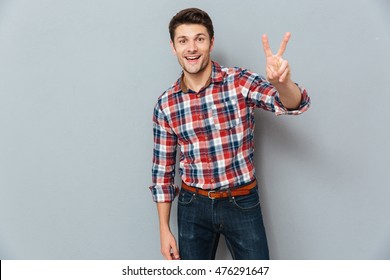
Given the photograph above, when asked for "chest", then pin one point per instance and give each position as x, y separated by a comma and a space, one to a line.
215, 110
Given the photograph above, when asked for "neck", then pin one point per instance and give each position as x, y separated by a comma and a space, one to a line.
197, 81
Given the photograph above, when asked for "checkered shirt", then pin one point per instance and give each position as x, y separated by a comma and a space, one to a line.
214, 129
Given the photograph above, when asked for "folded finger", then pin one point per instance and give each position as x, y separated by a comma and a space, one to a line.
284, 75
283, 66
271, 74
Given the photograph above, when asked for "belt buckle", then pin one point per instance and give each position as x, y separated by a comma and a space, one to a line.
208, 194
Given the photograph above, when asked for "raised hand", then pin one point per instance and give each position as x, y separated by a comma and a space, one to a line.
277, 69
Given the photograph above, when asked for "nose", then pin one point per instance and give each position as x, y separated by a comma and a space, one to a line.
192, 47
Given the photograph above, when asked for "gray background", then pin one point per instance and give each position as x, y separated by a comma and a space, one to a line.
78, 82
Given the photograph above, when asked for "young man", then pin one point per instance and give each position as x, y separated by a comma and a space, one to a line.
209, 113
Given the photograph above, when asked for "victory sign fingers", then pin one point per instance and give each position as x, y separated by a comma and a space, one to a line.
277, 69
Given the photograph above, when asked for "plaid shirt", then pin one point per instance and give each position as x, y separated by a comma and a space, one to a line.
214, 129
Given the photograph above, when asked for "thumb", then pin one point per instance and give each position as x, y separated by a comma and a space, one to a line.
175, 253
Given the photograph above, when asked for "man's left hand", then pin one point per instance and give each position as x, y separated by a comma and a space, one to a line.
277, 69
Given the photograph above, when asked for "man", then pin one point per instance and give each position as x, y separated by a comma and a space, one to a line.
209, 113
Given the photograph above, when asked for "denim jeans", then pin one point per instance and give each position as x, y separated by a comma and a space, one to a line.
202, 220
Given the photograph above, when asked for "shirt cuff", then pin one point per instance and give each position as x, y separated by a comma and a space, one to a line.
304, 106
164, 193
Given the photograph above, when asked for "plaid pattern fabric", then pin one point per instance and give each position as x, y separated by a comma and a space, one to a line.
214, 129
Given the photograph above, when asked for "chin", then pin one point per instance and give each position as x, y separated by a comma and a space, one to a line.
195, 70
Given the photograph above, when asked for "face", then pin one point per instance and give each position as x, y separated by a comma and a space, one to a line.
192, 45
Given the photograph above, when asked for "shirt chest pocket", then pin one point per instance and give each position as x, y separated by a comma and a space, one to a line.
226, 113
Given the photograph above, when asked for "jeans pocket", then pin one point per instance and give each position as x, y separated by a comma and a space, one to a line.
186, 198
247, 202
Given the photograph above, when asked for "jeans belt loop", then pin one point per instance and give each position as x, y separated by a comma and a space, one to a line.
230, 195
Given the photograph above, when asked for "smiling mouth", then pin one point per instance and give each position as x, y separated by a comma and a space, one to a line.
193, 58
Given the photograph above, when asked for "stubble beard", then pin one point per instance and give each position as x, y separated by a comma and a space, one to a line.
203, 66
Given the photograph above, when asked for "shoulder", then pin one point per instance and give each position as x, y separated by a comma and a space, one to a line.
230, 74
165, 95
166, 99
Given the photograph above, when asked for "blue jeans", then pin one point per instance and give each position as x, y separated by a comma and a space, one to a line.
202, 220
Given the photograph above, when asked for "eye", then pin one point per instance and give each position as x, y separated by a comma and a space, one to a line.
182, 41
201, 39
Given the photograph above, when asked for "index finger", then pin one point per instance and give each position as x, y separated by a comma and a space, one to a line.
283, 45
267, 49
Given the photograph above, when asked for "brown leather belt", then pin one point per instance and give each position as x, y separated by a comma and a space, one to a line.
224, 193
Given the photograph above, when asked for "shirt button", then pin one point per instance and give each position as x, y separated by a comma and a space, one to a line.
212, 180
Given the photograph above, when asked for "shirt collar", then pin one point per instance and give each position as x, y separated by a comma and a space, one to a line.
217, 76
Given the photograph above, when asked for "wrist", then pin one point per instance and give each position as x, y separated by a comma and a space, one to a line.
284, 85
290, 95
164, 228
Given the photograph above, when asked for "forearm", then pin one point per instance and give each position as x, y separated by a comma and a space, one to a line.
164, 213
289, 94
168, 242
164, 158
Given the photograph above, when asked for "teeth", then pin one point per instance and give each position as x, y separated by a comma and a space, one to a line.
192, 57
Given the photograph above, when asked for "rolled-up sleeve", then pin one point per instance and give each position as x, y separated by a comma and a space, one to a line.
262, 94
303, 106
164, 158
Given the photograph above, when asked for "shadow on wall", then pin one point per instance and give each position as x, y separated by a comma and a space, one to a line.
290, 140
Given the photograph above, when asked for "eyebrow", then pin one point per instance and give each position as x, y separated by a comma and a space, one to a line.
197, 35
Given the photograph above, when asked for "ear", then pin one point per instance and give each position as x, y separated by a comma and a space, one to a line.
212, 44
173, 48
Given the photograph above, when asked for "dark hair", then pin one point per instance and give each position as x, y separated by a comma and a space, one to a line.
191, 16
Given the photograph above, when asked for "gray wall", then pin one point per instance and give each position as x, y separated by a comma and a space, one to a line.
79, 79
